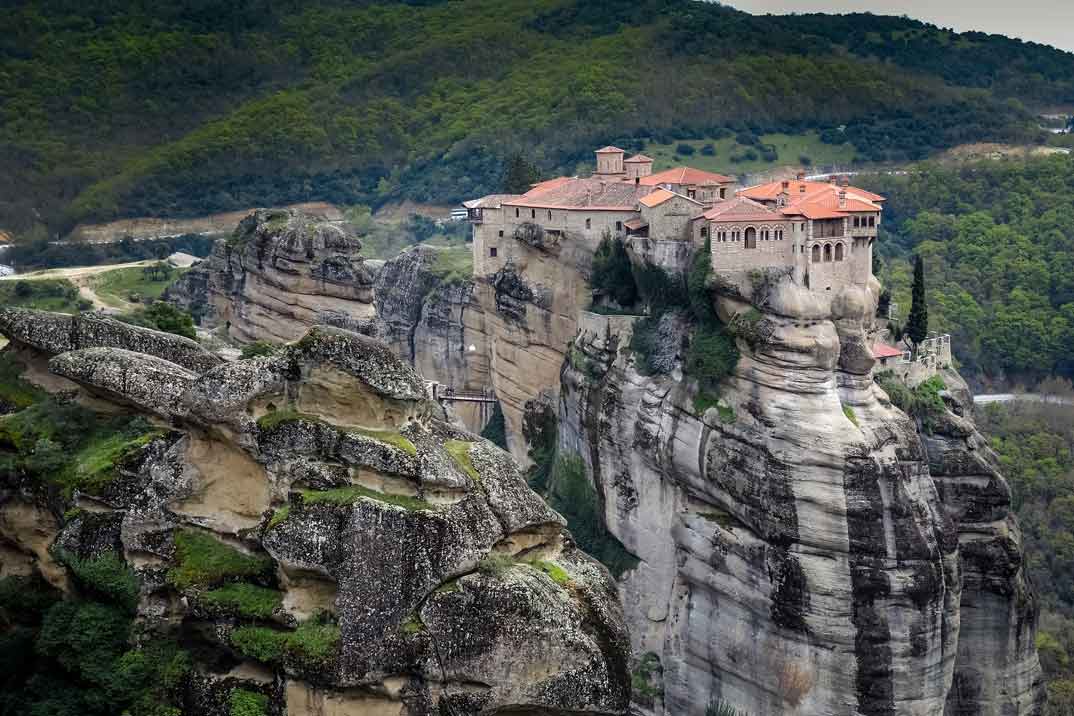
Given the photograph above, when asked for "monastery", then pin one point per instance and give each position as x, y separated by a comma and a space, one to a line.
822, 232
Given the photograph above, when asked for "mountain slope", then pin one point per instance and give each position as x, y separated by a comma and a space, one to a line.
110, 109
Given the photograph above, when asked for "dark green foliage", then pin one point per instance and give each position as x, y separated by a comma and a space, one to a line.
922, 402
998, 241
571, 493
69, 446
247, 703
108, 577
659, 289
519, 175
711, 356
29, 255
244, 600
311, 646
122, 109
917, 323
25, 599
684, 150
496, 428
165, 317
43, 294
258, 348
612, 273
15, 393
202, 561
540, 429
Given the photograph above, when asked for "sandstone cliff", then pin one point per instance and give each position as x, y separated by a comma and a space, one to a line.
305, 527
803, 548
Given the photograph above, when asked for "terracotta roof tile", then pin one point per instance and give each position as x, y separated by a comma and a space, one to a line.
883, 350
609, 150
638, 159
741, 209
635, 224
492, 201
685, 175
594, 192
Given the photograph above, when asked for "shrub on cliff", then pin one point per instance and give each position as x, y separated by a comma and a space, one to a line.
612, 275
163, 317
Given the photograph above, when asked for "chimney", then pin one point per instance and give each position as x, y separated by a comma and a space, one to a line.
786, 185
844, 180
801, 189
784, 194
842, 198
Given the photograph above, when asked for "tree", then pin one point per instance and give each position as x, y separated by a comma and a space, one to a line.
612, 274
917, 323
519, 175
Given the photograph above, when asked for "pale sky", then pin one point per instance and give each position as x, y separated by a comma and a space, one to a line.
1050, 22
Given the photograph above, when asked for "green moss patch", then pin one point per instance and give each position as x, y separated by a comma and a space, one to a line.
312, 645
284, 415
412, 625
459, 450
107, 575
391, 437
454, 265
851, 416
202, 561
16, 393
247, 703
279, 516
244, 600
553, 570
347, 496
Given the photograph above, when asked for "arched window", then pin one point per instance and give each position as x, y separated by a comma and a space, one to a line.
588, 223
816, 253
549, 214
704, 231
827, 253
533, 213
857, 221
751, 238
516, 213
838, 252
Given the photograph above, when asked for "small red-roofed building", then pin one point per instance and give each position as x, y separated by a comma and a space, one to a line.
887, 356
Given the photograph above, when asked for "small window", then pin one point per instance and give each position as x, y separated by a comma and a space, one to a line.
549, 214
691, 193
492, 251
619, 226
516, 213
872, 221
857, 221
816, 253
501, 233
723, 193
704, 232
838, 252
588, 223
533, 213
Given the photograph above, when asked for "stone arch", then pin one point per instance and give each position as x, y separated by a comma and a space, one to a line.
839, 251
816, 253
827, 253
751, 237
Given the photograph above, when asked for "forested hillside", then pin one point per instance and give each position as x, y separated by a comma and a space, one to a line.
997, 239
111, 108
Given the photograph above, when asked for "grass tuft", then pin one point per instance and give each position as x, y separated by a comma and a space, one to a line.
247, 703
459, 450
244, 600
202, 561
391, 437
553, 570
312, 645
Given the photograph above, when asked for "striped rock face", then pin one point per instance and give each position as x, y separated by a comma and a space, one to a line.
803, 549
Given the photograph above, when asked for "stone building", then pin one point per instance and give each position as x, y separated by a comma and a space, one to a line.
822, 232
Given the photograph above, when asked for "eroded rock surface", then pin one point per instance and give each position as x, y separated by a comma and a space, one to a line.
803, 549
415, 571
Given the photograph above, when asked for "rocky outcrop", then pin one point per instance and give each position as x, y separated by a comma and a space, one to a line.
278, 271
413, 570
54, 333
803, 549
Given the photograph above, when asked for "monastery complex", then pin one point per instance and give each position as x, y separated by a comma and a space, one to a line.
823, 232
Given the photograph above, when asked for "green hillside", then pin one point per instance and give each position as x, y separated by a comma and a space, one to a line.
113, 108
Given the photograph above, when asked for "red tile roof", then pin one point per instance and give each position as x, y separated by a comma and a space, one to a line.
815, 199
657, 198
638, 159
741, 209
685, 175
492, 201
883, 350
595, 193
609, 150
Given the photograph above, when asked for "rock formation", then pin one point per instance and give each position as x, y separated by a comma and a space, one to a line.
408, 568
802, 549
278, 271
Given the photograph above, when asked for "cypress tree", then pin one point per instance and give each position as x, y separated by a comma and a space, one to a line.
519, 175
917, 324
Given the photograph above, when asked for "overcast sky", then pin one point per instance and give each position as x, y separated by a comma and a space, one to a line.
1047, 21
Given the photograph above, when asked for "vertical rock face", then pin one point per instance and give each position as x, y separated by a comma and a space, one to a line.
279, 270
796, 554
408, 568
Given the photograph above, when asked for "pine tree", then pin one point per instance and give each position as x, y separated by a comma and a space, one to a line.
917, 324
519, 175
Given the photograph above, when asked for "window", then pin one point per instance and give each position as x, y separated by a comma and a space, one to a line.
516, 213
501, 233
827, 253
588, 223
872, 221
619, 226
704, 231
492, 251
751, 238
533, 213
691, 193
857, 221
816, 253
549, 214
723, 193
838, 252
